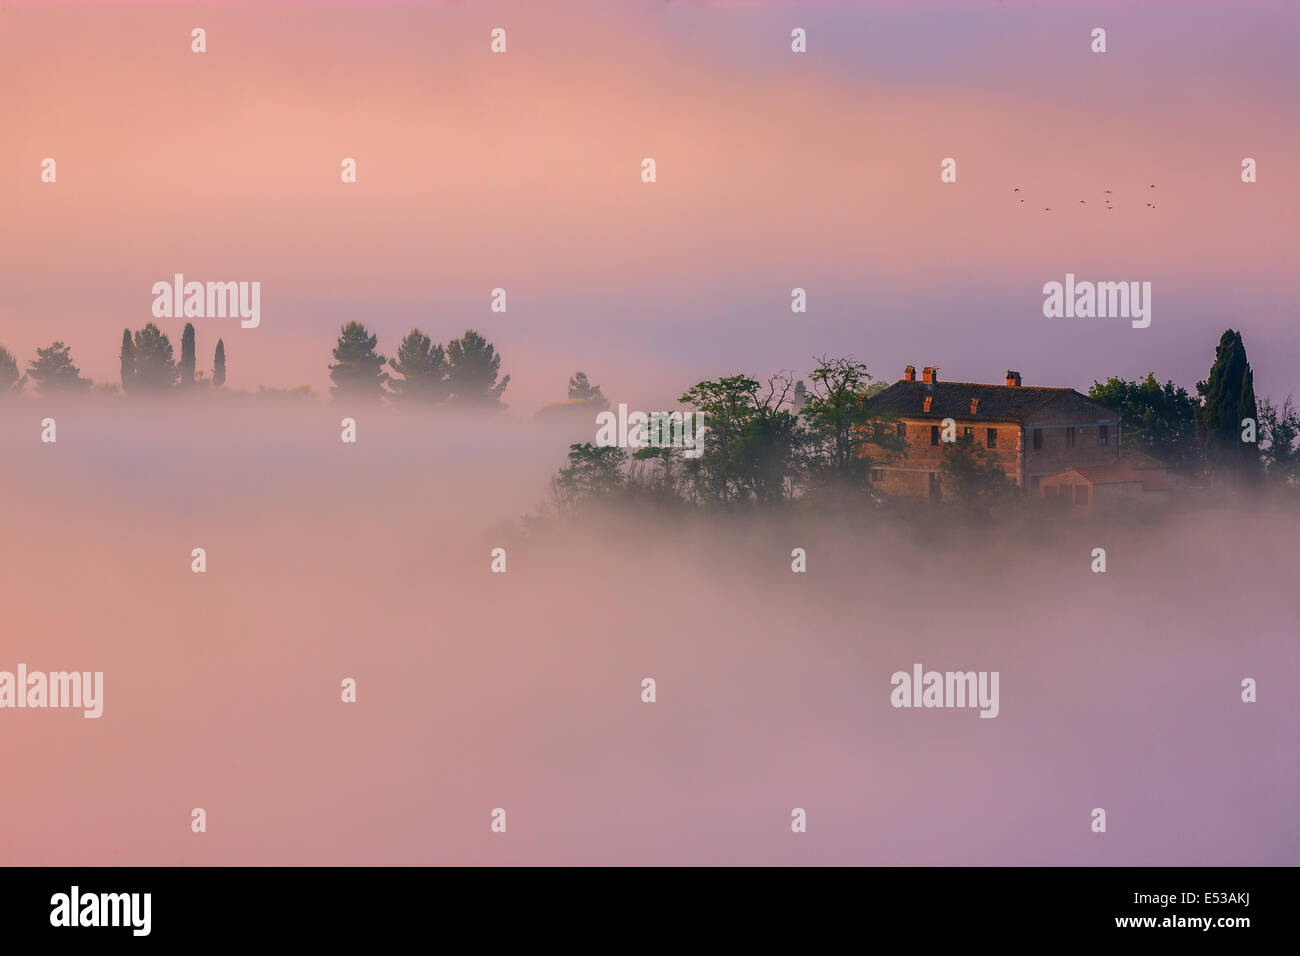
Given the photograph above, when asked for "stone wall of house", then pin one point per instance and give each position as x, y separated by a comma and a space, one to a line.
1057, 455
907, 473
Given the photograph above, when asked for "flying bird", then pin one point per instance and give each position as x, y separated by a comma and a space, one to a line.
1015, 190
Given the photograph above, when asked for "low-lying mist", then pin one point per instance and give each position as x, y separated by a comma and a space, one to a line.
523, 690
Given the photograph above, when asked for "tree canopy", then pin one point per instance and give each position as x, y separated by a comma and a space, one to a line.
52, 371
472, 369
358, 372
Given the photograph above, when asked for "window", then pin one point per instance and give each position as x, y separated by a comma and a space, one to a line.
968, 433
876, 474
934, 434
1033, 482
902, 430
1103, 438
993, 438
1069, 437
1038, 438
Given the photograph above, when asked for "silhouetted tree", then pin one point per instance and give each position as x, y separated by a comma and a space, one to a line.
593, 472
847, 435
154, 366
581, 388
11, 383
219, 365
472, 366
657, 475
53, 371
1158, 419
752, 442
1278, 430
1229, 395
187, 355
127, 361
359, 372
423, 367
975, 476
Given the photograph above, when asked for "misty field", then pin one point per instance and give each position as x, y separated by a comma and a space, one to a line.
522, 690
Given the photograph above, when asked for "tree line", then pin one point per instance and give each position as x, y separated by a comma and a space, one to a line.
464, 373
765, 443
772, 443
147, 364
1219, 431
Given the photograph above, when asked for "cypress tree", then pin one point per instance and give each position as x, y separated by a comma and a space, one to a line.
219, 365
187, 355
128, 361
1229, 395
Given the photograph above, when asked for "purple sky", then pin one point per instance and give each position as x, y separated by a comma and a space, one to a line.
775, 170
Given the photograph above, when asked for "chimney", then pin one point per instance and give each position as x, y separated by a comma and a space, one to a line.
929, 399
974, 406
930, 374
1013, 379
909, 374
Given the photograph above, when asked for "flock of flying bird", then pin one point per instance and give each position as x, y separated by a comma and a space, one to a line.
1083, 202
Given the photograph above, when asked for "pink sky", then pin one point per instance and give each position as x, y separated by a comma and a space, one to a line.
774, 171
479, 690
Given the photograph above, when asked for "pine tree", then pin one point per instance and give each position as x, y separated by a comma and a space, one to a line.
1229, 395
187, 355
472, 366
581, 388
11, 383
423, 367
154, 366
219, 365
359, 373
53, 371
127, 360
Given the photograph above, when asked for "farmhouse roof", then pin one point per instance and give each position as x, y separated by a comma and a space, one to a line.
953, 400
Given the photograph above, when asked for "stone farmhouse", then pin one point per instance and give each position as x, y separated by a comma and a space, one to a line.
1052, 441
